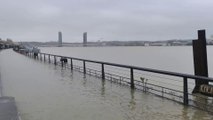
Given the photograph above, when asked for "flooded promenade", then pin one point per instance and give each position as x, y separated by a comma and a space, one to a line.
47, 92
8, 109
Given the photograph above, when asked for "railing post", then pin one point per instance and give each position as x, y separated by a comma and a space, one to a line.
71, 64
54, 59
185, 91
49, 58
132, 78
44, 58
103, 73
62, 63
84, 65
40, 56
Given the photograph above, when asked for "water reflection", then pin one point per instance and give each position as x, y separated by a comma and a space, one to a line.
200, 101
84, 82
71, 75
103, 88
83, 99
185, 113
132, 103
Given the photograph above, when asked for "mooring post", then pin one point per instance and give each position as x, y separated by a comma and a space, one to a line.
200, 59
185, 91
103, 73
71, 64
84, 65
132, 78
44, 58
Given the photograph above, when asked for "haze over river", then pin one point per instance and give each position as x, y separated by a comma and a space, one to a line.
47, 92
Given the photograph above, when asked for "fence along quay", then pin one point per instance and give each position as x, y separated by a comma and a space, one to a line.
174, 86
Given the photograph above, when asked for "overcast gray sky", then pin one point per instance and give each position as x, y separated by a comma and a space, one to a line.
40, 20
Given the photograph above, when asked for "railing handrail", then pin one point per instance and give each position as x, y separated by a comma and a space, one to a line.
209, 79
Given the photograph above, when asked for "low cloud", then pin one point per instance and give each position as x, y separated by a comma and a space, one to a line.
40, 20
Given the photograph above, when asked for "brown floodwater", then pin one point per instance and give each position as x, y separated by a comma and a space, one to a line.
47, 92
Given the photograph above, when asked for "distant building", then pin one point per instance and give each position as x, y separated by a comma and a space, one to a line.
146, 44
9, 40
158, 44
85, 39
59, 39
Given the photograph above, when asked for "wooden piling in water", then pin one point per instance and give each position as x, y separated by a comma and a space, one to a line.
200, 59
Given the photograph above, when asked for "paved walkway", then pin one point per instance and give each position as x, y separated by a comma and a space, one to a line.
8, 110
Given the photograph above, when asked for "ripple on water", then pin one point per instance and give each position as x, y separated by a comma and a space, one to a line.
47, 92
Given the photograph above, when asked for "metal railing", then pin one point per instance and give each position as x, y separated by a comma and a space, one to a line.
164, 90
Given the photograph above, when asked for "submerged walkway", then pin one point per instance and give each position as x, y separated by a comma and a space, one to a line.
47, 92
8, 109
